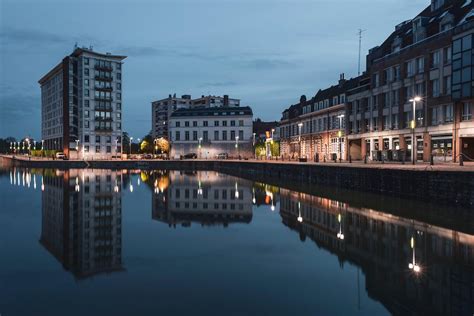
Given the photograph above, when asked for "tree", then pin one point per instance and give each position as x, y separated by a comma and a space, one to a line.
162, 145
125, 143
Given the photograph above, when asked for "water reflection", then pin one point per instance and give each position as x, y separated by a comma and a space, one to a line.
410, 266
82, 220
207, 198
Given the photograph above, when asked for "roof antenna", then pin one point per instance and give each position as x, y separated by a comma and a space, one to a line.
75, 45
360, 47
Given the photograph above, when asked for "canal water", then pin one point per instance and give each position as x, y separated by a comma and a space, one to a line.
131, 242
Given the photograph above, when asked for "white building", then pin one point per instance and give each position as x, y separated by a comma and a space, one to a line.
161, 109
211, 131
81, 105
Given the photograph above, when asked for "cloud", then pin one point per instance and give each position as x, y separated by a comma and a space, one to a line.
12, 35
266, 64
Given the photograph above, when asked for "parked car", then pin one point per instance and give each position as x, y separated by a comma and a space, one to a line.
190, 156
147, 156
61, 155
223, 156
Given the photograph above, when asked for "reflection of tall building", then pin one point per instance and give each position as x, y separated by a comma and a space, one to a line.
381, 244
205, 197
82, 221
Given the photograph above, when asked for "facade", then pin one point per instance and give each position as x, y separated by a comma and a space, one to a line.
209, 131
81, 105
82, 221
161, 110
314, 129
429, 57
207, 198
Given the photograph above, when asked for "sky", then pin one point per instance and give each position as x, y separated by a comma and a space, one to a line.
265, 52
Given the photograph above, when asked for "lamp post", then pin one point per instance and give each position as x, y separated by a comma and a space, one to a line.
237, 144
300, 125
339, 134
199, 147
42, 147
413, 126
116, 147
130, 149
413, 265
77, 148
254, 148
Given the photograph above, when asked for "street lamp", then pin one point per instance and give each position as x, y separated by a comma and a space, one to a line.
413, 126
300, 125
116, 147
299, 218
254, 148
340, 235
77, 148
339, 135
413, 265
199, 147
130, 149
237, 144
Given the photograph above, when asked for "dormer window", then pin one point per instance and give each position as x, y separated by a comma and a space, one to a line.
436, 4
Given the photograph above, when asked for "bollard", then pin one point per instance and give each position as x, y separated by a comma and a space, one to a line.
324, 158
365, 159
431, 160
461, 160
382, 158
350, 159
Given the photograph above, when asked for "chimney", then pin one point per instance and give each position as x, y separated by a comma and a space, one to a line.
341, 79
226, 100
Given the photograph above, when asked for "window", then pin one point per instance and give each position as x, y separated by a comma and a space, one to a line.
216, 123
448, 117
97, 149
447, 55
420, 65
224, 123
177, 136
241, 122
241, 135
435, 59
86, 72
108, 149
86, 114
86, 103
434, 116
410, 67
119, 66
395, 121
205, 136
86, 82
108, 139
119, 76
205, 123
232, 135
86, 138
466, 111
178, 124
119, 86
224, 135
86, 61
216, 135
396, 73
232, 123
97, 139
195, 135
195, 123
186, 135
186, 123
119, 115
447, 85
86, 124
86, 92
435, 87
119, 96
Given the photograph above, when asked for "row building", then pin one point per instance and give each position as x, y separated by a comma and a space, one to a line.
414, 100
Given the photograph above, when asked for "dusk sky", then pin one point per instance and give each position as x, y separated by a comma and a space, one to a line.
266, 53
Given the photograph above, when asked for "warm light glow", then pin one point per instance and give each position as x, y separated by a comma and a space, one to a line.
415, 99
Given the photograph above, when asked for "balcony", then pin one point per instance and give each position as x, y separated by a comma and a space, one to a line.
103, 108
103, 78
103, 67
103, 119
109, 89
104, 129
97, 98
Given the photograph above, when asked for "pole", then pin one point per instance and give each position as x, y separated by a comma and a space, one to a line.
413, 145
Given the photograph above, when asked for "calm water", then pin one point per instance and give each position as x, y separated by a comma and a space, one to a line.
83, 242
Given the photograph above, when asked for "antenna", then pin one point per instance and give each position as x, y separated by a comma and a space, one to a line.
360, 47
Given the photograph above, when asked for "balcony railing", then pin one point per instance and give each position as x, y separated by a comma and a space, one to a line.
98, 77
103, 108
103, 67
103, 98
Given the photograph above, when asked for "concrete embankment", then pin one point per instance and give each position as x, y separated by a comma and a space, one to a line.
451, 187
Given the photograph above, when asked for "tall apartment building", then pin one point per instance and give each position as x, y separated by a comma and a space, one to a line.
161, 110
81, 105
429, 56
209, 131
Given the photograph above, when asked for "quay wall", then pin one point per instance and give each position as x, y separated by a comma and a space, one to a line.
451, 187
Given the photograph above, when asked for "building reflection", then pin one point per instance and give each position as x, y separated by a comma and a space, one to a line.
204, 197
411, 267
82, 220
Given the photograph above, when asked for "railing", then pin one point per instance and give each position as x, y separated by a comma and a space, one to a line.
103, 67
103, 78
